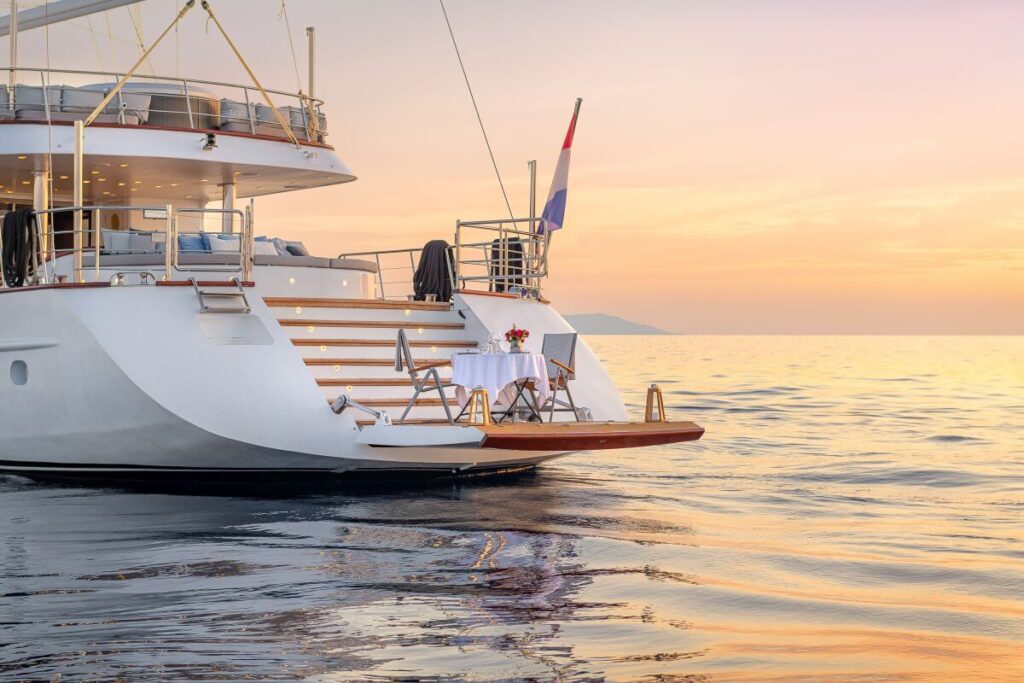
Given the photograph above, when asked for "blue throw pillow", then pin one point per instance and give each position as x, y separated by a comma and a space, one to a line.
192, 242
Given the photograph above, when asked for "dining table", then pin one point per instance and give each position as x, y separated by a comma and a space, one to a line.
501, 374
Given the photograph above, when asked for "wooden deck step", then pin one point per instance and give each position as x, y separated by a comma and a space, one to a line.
279, 301
376, 324
368, 382
398, 402
362, 362
445, 343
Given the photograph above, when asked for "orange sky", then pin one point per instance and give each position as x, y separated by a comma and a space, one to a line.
740, 166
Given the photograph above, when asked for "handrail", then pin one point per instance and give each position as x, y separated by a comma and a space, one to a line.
309, 109
51, 254
510, 272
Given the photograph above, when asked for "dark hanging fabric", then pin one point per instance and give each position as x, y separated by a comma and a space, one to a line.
19, 247
433, 275
496, 269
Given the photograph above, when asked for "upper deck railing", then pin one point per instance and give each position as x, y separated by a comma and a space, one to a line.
79, 254
56, 95
501, 255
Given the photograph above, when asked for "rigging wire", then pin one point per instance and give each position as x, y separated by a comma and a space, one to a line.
479, 119
291, 43
138, 34
95, 43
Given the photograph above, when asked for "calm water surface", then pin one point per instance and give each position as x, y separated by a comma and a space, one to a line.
854, 513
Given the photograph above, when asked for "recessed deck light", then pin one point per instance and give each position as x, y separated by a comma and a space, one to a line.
26, 182
158, 186
121, 184
22, 156
134, 189
291, 281
337, 368
123, 165
94, 172
433, 349
188, 196
298, 309
63, 177
174, 184
102, 180
203, 180
136, 182
310, 328
323, 348
86, 182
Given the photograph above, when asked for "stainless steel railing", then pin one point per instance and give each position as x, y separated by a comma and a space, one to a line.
158, 101
56, 262
501, 255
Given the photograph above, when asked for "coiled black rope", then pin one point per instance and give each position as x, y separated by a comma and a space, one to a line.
20, 245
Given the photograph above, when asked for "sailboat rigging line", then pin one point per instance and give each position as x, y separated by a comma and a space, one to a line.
95, 43
124, 79
285, 126
291, 43
479, 119
138, 33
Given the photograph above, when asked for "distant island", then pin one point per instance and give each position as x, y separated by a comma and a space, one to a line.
600, 323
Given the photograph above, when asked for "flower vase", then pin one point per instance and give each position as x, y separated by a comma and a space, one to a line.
514, 346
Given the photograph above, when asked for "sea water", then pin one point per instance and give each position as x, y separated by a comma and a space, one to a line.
855, 512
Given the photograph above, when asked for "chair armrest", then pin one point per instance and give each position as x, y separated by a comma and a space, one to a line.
564, 367
428, 366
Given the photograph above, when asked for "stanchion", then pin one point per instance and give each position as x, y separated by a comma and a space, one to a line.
654, 391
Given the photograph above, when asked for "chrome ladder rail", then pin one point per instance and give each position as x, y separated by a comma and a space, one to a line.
238, 297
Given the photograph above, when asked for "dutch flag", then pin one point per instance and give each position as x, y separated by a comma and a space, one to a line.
554, 209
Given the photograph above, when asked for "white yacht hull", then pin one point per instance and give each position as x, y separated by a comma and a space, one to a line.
130, 381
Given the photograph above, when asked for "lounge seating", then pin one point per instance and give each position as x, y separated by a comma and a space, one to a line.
65, 103
403, 359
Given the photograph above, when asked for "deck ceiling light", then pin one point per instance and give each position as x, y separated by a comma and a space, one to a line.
121, 184
63, 177
26, 182
22, 157
94, 172
136, 182
123, 165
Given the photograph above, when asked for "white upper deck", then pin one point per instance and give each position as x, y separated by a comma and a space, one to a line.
160, 138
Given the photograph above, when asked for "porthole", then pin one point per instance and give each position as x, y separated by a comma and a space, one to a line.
19, 373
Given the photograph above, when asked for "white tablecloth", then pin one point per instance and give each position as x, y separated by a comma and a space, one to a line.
497, 373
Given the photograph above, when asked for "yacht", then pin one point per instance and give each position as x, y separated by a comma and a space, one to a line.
152, 327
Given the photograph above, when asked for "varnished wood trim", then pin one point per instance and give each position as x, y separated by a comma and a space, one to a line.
382, 324
377, 304
586, 436
501, 295
370, 382
397, 402
365, 362
202, 283
444, 343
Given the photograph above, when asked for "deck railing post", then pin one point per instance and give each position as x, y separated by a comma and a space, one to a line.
171, 245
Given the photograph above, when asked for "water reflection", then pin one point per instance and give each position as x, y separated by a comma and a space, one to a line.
854, 513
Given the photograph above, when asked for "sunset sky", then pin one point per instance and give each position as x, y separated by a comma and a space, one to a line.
809, 166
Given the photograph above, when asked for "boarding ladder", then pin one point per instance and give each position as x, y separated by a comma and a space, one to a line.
228, 302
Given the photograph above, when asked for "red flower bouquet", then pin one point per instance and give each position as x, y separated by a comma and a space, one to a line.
516, 337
